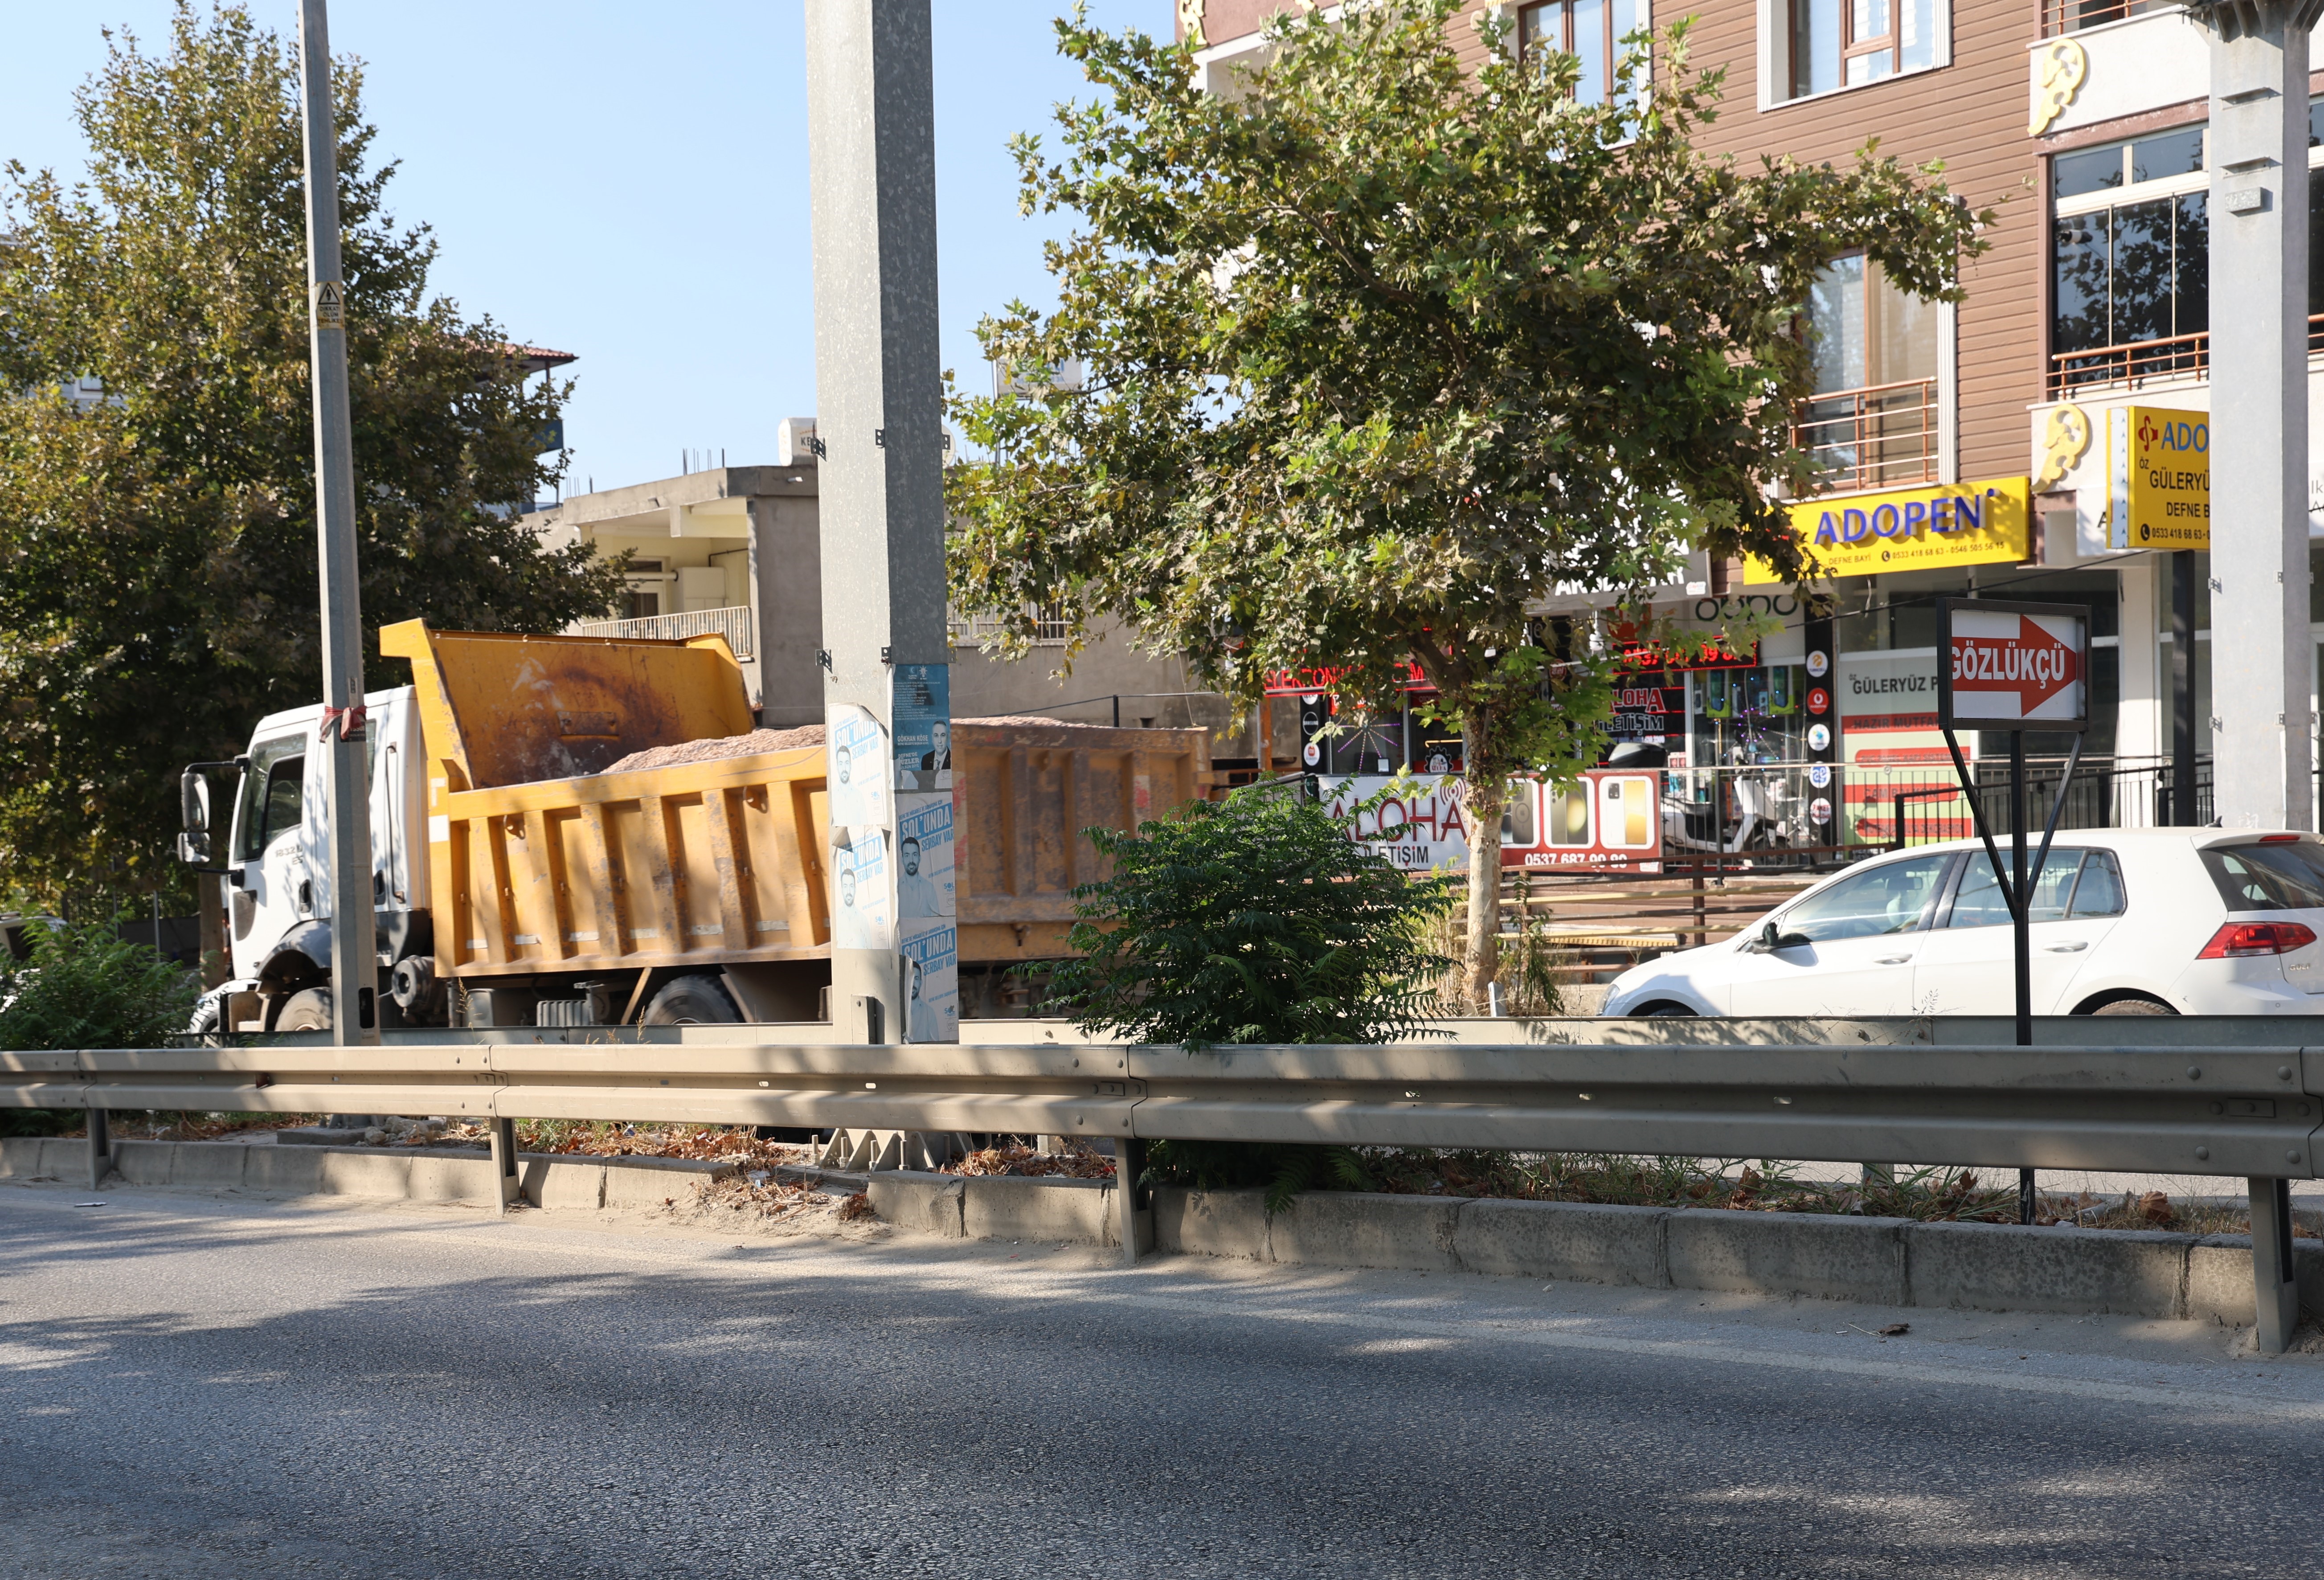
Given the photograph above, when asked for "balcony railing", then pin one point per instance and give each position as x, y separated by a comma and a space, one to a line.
733, 625
2063, 16
2142, 360
1884, 436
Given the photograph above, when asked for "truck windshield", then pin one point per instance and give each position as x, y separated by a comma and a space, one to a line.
270, 795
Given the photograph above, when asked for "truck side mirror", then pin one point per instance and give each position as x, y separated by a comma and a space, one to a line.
194, 801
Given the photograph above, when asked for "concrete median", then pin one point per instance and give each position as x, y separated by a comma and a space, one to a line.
1788, 1253
2006, 1267
1003, 1207
1584, 1243
1880, 1261
925, 1203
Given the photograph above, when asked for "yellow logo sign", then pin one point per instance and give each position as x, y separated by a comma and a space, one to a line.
2159, 468
1912, 529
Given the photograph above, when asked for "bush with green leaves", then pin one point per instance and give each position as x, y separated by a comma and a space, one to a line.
86, 986
1255, 920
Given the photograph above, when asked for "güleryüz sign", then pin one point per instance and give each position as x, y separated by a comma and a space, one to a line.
2013, 666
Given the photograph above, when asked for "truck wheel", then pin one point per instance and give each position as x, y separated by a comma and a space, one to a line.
209, 1014
309, 1010
691, 1001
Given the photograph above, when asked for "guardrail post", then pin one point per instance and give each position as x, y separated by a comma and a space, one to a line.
1128, 1163
2274, 1279
100, 1146
508, 1182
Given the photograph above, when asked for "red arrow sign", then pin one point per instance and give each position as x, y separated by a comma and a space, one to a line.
2009, 666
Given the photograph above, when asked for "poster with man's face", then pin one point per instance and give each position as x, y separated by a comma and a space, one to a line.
923, 715
924, 865
859, 792
931, 986
863, 915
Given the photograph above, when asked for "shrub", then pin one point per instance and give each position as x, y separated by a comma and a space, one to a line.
1256, 920
84, 987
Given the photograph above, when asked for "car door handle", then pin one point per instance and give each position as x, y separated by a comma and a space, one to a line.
2067, 948
1894, 960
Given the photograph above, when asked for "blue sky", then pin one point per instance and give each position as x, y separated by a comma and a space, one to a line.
628, 182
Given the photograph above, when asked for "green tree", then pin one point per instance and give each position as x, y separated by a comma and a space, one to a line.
157, 554
1378, 356
1253, 920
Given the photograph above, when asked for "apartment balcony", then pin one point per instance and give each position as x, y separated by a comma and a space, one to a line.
2065, 16
2143, 361
734, 625
1883, 436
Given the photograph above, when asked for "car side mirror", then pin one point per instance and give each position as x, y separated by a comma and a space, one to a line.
1770, 940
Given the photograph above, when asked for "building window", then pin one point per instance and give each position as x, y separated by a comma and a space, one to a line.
2129, 262
1872, 421
1590, 31
1846, 43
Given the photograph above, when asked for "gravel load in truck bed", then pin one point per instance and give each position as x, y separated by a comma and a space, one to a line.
758, 741
719, 747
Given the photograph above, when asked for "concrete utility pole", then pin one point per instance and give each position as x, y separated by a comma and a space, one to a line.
879, 426
2261, 770
354, 966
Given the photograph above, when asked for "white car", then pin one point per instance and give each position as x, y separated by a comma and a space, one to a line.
2146, 921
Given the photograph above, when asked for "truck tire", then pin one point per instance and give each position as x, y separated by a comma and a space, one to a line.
691, 1001
209, 1014
309, 1010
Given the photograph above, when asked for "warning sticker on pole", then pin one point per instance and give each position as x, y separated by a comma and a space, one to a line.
331, 299
2013, 666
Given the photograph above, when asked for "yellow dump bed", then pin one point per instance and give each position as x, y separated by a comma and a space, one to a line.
541, 861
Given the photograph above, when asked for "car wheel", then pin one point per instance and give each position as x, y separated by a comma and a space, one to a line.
2134, 1007
1668, 1009
691, 1001
308, 1009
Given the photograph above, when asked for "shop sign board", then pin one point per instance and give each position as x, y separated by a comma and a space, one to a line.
1324, 678
2006, 666
1912, 529
1607, 820
2159, 475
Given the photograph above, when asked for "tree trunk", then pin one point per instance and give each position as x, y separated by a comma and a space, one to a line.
1482, 961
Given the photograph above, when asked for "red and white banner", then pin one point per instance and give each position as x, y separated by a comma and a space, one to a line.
2010, 669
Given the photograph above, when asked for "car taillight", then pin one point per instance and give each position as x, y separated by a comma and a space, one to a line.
2239, 938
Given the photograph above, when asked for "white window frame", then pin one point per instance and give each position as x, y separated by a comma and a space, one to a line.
1774, 56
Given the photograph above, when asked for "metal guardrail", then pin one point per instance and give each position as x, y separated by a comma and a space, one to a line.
2182, 1103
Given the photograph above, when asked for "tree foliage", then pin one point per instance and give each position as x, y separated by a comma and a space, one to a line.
1378, 356
158, 584
1252, 919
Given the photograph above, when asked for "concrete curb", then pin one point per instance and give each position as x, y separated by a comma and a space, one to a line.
1886, 1261
1883, 1261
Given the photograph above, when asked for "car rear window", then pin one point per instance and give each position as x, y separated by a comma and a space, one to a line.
2289, 876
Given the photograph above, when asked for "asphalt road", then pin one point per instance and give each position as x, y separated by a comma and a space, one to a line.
199, 1386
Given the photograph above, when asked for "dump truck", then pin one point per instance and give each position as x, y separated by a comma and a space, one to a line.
577, 831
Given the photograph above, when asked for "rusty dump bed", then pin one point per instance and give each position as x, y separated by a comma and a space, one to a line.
541, 863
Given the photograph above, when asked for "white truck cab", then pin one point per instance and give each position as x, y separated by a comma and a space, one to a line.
275, 860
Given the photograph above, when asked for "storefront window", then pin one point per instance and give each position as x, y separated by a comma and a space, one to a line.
1747, 716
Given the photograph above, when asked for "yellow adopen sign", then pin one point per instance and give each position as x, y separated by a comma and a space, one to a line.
1912, 529
2159, 470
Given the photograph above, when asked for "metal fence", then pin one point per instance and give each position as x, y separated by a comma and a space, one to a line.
733, 623
1781, 815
